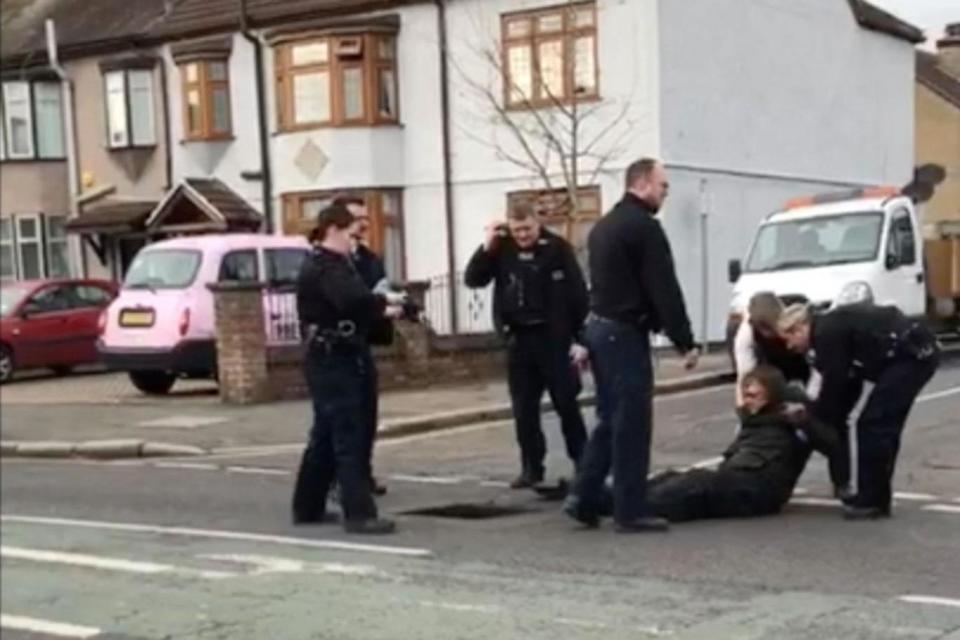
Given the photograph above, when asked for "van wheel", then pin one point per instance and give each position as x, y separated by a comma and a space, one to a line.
155, 383
6, 364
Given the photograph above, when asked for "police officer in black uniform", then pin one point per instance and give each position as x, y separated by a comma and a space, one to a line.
336, 312
371, 269
877, 344
539, 305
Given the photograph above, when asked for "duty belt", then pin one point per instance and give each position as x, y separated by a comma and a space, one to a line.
344, 334
639, 322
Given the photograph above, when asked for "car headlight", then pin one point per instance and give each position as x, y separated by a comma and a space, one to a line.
853, 293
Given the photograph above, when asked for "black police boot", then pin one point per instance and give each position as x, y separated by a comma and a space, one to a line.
527, 479
574, 507
853, 512
371, 526
643, 525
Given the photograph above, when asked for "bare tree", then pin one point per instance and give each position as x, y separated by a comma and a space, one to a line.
564, 141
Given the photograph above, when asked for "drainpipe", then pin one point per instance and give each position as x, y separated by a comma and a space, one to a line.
265, 170
66, 99
167, 134
447, 169
704, 265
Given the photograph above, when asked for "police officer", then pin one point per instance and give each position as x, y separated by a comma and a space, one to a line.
634, 291
371, 269
877, 344
539, 305
336, 311
760, 469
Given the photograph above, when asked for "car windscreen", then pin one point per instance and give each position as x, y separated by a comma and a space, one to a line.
10, 297
163, 269
816, 242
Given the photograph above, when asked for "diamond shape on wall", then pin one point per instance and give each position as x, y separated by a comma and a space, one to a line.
311, 160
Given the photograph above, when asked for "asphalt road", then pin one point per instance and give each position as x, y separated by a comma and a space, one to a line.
204, 549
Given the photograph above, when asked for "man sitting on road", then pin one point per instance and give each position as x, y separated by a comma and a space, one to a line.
760, 468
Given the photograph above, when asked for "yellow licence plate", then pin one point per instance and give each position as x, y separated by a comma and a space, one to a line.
129, 318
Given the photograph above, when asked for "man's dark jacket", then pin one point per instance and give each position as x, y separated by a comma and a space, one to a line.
557, 277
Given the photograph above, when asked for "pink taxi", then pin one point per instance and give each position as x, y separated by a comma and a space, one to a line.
162, 326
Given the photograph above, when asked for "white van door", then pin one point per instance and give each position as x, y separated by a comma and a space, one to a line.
903, 263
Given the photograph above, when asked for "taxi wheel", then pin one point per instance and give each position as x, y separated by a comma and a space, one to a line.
6, 364
155, 383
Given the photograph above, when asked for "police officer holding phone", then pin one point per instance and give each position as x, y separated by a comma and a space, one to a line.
539, 306
336, 312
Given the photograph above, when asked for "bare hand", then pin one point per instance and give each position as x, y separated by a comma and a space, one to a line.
795, 412
579, 355
691, 358
393, 312
492, 234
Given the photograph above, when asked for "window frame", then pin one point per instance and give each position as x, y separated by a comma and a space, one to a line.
901, 223
12, 155
381, 223
568, 35
205, 88
6, 153
10, 242
49, 240
366, 57
37, 239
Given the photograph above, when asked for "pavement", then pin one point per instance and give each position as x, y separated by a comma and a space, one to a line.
203, 549
101, 412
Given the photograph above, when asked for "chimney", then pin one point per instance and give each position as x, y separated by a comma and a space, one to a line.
948, 50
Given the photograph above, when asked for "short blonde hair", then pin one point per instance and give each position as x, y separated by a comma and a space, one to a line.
793, 315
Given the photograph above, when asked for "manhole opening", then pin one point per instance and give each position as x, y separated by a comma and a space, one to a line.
468, 511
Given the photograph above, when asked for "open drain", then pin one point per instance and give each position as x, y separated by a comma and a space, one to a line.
468, 511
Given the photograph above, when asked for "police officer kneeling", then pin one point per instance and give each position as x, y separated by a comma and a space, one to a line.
880, 345
540, 305
336, 312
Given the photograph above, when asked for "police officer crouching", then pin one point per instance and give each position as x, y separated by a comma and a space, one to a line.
336, 312
540, 304
878, 344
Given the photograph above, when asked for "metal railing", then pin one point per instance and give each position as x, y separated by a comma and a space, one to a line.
475, 312
280, 315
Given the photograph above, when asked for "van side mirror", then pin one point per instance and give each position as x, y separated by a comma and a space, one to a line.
734, 271
891, 262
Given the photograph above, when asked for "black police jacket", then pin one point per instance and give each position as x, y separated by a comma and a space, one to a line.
368, 265
542, 286
856, 341
771, 446
632, 274
774, 352
329, 291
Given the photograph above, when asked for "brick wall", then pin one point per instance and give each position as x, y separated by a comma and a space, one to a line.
241, 342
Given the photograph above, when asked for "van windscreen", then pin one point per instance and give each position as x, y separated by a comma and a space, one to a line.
163, 269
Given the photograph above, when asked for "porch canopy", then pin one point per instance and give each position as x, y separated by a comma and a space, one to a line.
202, 205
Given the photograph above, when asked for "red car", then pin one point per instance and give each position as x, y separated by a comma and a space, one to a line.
50, 323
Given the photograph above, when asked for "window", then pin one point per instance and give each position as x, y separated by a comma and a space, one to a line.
57, 249
283, 265
32, 121
815, 242
902, 245
336, 81
8, 257
384, 206
130, 113
240, 266
29, 243
557, 214
206, 100
87, 296
550, 56
51, 300
163, 269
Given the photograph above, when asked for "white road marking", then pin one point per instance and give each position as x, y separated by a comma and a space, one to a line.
200, 466
914, 497
182, 422
400, 477
939, 394
943, 508
221, 535
453, 606
816, 502
103, 563
264, 471
272, 564
944, 602
587, 624
800, 491
499, 484
36, 625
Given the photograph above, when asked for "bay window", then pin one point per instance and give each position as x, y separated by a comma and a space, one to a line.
206, 100
34, 246
130, 108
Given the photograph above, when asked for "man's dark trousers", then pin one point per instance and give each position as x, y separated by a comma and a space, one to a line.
371, 403
536, 361
337, 443
623, 373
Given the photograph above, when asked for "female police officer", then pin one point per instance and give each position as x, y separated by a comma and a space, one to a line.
336, 311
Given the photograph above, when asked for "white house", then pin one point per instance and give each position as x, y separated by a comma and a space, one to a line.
436, 112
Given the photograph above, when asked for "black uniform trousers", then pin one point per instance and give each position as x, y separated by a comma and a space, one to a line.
536, 361
371, 402
881, 424
840, 464
715, 493
337, 446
